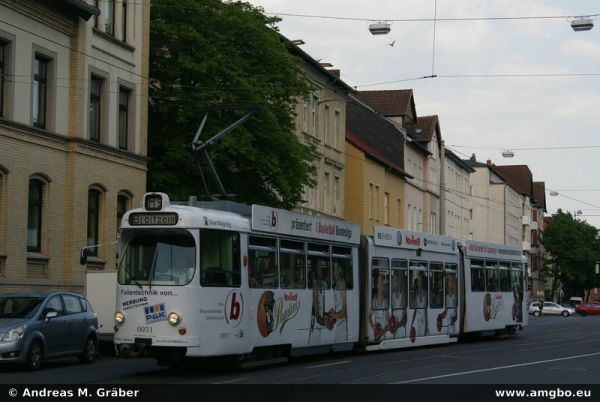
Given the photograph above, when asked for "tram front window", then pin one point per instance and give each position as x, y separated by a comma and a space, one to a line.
159, 259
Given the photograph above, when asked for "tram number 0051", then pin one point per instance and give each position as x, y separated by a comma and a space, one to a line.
144, 329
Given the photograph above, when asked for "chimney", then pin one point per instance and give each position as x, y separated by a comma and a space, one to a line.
489, 162
335, 72
473, 158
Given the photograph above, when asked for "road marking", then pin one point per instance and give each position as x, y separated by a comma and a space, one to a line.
328, 364
496, 368
232, 381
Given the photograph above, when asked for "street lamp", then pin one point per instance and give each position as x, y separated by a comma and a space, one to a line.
582, 24
507, 153
380, 28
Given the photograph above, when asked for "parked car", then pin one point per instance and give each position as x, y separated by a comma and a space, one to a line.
588, 308
550, 308
35, 326
574, 301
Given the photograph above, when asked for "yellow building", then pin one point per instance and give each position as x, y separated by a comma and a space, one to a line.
375, 176
73, 117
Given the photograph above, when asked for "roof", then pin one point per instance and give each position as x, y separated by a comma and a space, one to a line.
390, 103
460, 162
518, 176
83, 9
427, 127
376, 136
539, 194
332, 76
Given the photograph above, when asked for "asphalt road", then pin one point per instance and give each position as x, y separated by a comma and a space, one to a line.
551, 350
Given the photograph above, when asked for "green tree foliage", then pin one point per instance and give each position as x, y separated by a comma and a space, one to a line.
208, 52
574, 248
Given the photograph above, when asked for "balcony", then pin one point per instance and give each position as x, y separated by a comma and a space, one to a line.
526, 220
526, 246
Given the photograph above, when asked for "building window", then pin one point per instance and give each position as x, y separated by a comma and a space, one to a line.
326, 192
336, 127
315, 114
336, 195
34, 215
399, 212
109, 17
326, 132
122, 207
371, 201
95, 111
3, 61
124, 95
93, 220
386, 210
124, 20
95, 2
304, 115
40, 90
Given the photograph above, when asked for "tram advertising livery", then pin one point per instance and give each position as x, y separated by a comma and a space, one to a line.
198, 282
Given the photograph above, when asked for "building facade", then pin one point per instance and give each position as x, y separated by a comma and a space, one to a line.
457, 200
375, 177
399, 107
72, 135
320, 123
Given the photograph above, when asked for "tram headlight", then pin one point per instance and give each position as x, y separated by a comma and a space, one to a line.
173, 318
119, 317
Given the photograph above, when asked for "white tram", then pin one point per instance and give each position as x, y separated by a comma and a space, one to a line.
198, 282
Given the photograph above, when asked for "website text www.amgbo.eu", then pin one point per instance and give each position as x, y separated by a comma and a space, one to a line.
543, 393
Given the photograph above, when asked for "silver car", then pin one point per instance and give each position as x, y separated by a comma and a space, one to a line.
35, 326
550, 308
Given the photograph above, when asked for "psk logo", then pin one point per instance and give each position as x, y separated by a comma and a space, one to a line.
155, 313
273, 219
425, 242
399, 238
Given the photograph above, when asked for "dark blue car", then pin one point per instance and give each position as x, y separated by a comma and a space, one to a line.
35, 326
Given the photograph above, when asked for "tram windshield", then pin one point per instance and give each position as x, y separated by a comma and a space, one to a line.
164, 258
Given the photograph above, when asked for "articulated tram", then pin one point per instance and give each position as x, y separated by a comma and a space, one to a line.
259, 281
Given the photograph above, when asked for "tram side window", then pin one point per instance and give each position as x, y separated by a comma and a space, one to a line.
418, 284
504, 277
293, 265
319, 266
517, 278
477, 276
262, 256
219, 258
343, 278
491, 269
436, 285
451, 286
380, 284
399, 284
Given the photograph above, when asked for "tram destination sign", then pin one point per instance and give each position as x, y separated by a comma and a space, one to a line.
153, 219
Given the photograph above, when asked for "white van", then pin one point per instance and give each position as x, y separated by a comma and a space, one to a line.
574, 301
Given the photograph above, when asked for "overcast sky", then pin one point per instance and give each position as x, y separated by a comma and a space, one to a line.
481, 115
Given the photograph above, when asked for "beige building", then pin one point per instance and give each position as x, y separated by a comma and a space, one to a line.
72, 134
375, 176
457, 201
320, 123
496, 205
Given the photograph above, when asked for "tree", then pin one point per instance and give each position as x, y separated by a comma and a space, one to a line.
574, 248
207, 52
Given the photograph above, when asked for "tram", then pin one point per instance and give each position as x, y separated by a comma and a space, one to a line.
256, 281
